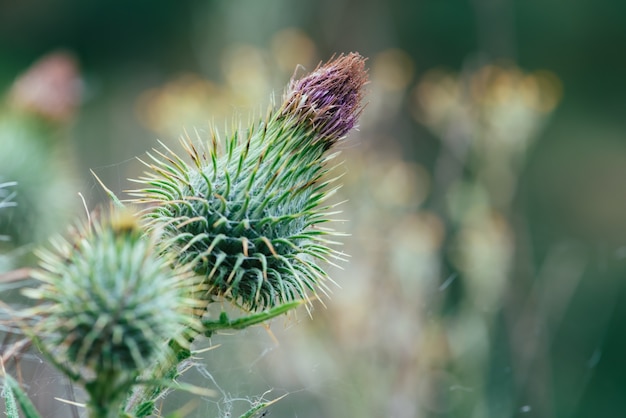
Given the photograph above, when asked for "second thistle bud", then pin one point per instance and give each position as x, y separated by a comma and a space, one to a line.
248, 215
109, 303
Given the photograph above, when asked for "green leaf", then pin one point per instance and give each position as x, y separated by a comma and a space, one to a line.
240, 323
260, 407
108, 191
10, 407
13, 392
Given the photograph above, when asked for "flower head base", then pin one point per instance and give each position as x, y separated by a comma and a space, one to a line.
109, 301
248, 216
329, 99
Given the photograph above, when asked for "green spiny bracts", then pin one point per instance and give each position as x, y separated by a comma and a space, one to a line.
110, 303
247, 215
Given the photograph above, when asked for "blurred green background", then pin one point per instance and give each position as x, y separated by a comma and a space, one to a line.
485, 186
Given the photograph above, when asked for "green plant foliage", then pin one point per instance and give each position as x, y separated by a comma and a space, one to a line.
121, 300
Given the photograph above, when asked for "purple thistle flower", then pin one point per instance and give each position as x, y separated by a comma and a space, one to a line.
329, 99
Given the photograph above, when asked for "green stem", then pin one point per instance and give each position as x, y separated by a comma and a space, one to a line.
141, 401
106, 395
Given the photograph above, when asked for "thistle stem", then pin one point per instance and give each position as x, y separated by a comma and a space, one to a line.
143, 396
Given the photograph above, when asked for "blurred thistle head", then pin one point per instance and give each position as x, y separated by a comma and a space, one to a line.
50, 88
109, 302
248, 215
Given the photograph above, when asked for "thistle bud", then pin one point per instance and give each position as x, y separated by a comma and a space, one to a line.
109, 304
247, 216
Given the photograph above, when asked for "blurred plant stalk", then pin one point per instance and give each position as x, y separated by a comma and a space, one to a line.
35, 117
487, 120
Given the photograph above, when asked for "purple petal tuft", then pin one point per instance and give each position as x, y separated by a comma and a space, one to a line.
329, 99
